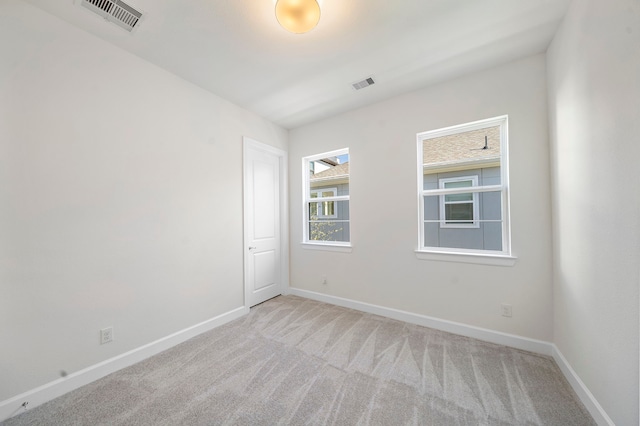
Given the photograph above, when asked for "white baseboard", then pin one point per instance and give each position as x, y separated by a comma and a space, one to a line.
587, 398
511, 340
497, 337
51, 390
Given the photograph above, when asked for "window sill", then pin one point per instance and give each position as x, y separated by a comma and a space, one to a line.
476, 258
344, 248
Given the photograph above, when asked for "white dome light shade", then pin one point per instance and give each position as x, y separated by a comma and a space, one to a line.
298, 16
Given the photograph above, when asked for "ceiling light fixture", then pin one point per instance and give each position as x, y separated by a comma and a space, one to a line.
298, 16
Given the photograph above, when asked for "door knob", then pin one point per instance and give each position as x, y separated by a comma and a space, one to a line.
252, 248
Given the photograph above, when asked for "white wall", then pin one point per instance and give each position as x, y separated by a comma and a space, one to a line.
594, 103
383, 269
120, 199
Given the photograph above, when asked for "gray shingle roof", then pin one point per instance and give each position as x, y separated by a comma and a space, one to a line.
336, 171
458, 148
462, 147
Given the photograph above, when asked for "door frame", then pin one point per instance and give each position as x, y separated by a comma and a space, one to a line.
252, 144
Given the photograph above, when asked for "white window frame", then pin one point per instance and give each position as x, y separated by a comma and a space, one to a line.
306, 199
320, 203
474, 201
493, 257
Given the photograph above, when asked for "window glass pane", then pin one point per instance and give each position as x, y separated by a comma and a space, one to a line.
323, 193
328, 177
330, 172
338, 209
459, 213
458, 197
322, 210
458, 184
462, 154
325, 228
458, 229
328, 208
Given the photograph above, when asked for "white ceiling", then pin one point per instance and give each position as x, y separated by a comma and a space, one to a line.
237, 50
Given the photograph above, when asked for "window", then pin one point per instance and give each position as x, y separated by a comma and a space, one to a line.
459, 210
326, 198
463, 189
325, 209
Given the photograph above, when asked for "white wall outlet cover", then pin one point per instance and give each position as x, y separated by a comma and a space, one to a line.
506, 310
106, 335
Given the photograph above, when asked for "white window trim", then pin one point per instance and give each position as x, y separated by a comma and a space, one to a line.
504, 257
474, 201
337, 246
343, 246
322, 200
468, 256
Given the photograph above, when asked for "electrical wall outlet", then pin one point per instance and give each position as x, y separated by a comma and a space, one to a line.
324, 279
506, 310
106, 335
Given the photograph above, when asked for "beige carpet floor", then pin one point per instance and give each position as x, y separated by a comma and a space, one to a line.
298, 361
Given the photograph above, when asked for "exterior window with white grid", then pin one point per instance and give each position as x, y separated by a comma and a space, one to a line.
326, 199
459, 210
324, 209
463, 191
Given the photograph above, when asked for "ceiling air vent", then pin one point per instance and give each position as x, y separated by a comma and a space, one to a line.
115, 11
364, 83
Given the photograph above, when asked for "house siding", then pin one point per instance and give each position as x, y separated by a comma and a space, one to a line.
488, 236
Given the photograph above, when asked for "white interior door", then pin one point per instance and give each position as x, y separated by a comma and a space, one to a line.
263, 208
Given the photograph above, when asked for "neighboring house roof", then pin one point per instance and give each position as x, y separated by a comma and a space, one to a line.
445, 153
334, 176
341, 170
464, 148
